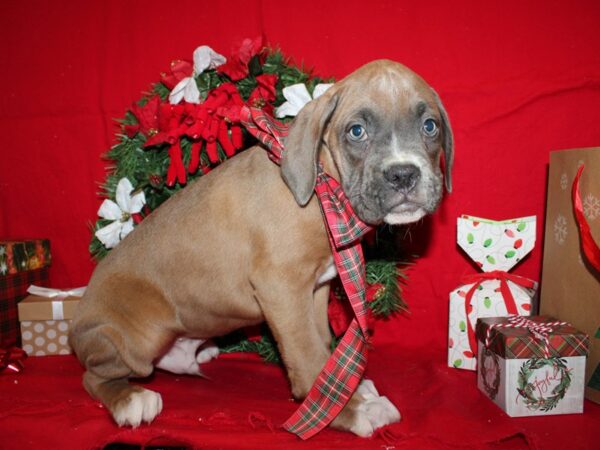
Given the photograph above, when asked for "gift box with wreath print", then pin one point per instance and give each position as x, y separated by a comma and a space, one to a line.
532, 366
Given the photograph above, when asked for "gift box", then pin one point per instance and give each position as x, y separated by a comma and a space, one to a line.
22, 262
570, 282
495, 247
532, 366
45, 320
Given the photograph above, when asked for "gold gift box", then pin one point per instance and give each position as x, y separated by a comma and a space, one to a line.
45, 324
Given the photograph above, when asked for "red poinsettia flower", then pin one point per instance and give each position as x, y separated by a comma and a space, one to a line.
147, 117
171, 122
179, 70
263, 95
236, 67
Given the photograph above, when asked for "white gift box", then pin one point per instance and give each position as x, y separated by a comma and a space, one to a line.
495, 246
517, 376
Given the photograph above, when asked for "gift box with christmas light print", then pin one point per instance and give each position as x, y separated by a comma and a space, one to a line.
45, 320
496, 247
532, 366
22, 262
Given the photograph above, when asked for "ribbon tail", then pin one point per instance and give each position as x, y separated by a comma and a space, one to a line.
588, 245
333, 387
236, 137
509, 300
212, 152
223, 137
195, 157
470, 327
176, 171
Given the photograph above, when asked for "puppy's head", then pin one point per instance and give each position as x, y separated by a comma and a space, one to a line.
382, 130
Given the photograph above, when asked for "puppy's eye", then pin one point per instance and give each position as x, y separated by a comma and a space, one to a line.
430, 128
357, 133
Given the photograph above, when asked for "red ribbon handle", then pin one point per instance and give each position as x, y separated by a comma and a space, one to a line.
589, 247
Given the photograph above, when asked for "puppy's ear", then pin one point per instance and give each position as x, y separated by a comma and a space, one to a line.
448, 144
300, 157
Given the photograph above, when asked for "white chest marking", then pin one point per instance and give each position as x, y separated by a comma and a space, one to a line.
328, 275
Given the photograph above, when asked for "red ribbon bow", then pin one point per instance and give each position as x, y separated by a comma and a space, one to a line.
540, 330
509, 300
11, 359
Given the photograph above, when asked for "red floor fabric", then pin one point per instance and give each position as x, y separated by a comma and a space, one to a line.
245, 401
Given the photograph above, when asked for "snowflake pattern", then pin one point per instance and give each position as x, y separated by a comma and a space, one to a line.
564, 181
591, 207
560, 229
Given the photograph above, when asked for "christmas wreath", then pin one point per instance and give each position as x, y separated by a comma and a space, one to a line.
527, 390
490, 372
186, 125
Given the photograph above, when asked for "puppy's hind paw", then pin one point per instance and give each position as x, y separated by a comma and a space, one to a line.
208, 351
143, 405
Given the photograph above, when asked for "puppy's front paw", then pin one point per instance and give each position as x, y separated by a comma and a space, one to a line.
369, 412
143, 405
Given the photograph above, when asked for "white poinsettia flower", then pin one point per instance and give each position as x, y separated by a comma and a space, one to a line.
120, 213
297, 97
204, 58
187, 90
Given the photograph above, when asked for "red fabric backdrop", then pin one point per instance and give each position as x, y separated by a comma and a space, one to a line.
518, 79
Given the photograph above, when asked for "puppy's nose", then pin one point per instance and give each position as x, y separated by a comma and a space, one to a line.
403, 177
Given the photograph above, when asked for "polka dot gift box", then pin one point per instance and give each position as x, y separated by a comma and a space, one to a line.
495, 247
45, 319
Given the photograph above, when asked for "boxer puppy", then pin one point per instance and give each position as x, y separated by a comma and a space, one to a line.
247, 243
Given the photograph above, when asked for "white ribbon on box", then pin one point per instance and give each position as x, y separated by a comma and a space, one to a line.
59, 295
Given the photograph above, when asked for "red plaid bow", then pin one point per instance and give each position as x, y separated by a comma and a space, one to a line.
344, 369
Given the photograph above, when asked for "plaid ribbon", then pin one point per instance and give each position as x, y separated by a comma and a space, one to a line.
509, 300
344, 369
540, 330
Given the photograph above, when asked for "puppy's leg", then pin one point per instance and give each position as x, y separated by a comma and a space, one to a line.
321, 304
290, 314
114, 344
110, 362
367, 410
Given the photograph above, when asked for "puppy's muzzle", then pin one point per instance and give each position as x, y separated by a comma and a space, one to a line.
402, 177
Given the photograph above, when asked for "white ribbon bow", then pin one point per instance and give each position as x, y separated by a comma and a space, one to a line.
297, 97
56, 293
58, 312
120, 213
204, 58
